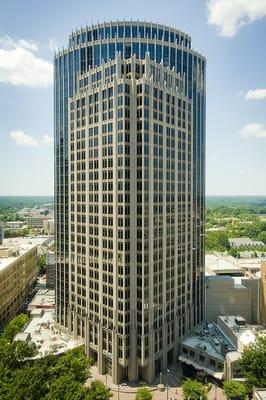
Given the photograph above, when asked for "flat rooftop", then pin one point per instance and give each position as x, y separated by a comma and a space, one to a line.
247, 332
216, 265
23, 245
47, 338
44, 298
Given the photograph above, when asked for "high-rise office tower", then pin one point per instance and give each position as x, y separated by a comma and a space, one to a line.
129, 194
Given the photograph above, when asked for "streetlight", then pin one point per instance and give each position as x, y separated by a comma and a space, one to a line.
160, 378
118, 391
106, 380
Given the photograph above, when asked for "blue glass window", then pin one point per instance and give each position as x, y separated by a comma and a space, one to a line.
136, 49
120, 49
143, 49
89, 56
89, 36
83, 59
151, 50
166, 36
141, 31
95, 34
127, 50
160, 34
107, 32
104, 52
178, 61
148, 32
159, 55
127, 31
121, 31
71, 74
172, 37
112, 51
172, 57
165, 55
134, 31
83, 37
114, 31
154, 33
177, 38
96, 55
101, 35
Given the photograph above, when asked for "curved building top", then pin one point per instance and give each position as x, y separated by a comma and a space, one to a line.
130, 30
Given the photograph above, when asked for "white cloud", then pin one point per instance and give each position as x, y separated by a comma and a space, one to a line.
47, 139
254, 130
230, 15
8, 43
22, 139
20, 66
256, 94
53, 45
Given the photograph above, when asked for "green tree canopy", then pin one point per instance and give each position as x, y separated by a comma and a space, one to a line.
235, 390
15, 326
193, 390
253, 364
98, 391
217, 241
143, 394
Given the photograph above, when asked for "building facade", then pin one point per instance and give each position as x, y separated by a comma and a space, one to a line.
18, 273
129, 194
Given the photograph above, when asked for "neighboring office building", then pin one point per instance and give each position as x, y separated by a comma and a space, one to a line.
226, 296
35, 221
18, 272
263, 293
244, 241
50, 270
14, 224
129, 194
48, 226
216, 348
1, 232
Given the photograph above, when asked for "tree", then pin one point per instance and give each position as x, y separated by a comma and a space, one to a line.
262, 237
217, 241
193, 390
42, 265
98, 391
143, 394
235, 390
15, 326
66, 388
253, 364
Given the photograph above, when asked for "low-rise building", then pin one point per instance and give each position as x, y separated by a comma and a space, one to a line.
48, 226
232, 296
244, 241
216, 348
18, 272
217, 264
35, 221
14, 224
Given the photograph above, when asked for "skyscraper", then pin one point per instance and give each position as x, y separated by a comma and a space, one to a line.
129, 194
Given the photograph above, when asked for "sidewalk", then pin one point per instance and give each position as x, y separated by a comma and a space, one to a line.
173, 379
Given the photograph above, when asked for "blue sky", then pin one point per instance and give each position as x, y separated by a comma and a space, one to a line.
230, 33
